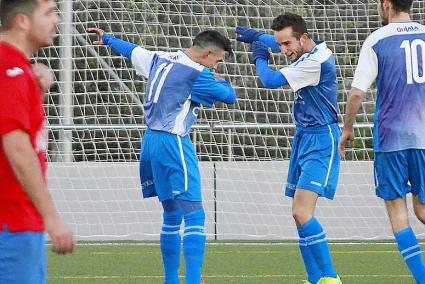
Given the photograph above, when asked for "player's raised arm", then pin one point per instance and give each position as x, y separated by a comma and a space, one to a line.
141, 58
119, 46
248, 35
270, 78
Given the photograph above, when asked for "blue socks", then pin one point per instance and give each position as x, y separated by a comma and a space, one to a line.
193, 240
170, 245
313, 271
411, 252
194, 245
315, 251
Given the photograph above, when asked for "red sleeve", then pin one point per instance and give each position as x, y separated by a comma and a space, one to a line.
14, 104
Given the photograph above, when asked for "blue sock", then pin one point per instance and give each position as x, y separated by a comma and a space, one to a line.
411, 252
170, 245
194, 245
313, 271
315, 238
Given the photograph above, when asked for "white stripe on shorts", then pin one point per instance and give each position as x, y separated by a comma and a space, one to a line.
332, 156
183, 161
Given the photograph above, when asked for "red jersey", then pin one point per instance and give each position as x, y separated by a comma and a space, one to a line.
21, 107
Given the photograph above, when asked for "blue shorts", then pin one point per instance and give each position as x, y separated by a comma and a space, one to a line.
22, 257
400, 172
315, 161
169, 167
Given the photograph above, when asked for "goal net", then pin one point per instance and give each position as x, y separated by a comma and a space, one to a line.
96, 121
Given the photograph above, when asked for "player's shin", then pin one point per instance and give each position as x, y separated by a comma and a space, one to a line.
411, 252
315, 238
194, 245
170, 241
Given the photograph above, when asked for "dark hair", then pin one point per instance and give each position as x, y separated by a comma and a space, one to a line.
10, 8
401, 5
213, 38
294, 21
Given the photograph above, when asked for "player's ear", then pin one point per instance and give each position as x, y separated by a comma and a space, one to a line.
205, 53
22, 22
304, 38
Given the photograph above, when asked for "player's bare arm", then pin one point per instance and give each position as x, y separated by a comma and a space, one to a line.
26, 166
353, 104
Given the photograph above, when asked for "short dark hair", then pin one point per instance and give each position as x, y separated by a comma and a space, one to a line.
213, 38
401, 5
10, 8
296, 22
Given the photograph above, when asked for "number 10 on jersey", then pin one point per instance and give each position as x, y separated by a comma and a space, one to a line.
412, 60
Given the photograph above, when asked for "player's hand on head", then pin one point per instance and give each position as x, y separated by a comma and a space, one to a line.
61, 236
260, 50
99, 33
248, 35
346, 139
44, 76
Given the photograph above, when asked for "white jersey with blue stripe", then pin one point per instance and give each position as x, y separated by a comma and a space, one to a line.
176, 88
313, 79
167, 102
394, 56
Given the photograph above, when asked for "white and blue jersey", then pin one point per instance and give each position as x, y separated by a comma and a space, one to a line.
394, 56
176, 88
314, 163
313, 79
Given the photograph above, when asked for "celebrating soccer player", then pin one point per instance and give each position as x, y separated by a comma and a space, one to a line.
394, 56
314, 164
178, 84
26, 208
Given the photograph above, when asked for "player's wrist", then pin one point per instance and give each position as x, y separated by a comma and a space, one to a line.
348, 127
107, 38
257, 35
260, 51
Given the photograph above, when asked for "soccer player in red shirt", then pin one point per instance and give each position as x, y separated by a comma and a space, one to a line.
26, 208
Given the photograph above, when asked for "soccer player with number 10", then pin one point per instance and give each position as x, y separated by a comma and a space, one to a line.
394, 56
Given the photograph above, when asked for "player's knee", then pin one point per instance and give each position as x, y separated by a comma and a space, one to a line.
399, 221
196, 217
172, 218
300, 216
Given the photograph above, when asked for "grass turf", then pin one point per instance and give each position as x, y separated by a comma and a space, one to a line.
125, 263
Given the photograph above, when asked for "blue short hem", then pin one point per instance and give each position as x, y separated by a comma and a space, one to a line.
291, 192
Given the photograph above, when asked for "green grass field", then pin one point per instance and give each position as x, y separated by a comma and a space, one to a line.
227, 263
